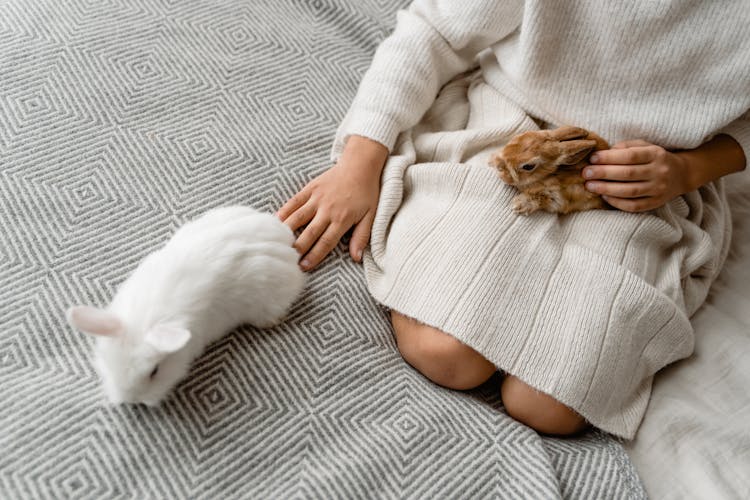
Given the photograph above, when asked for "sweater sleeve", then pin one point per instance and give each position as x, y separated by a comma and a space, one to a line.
434, 40
739, 130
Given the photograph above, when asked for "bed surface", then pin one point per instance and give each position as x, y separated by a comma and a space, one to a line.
120, 120
695, 438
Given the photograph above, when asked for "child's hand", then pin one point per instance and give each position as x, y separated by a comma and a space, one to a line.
345, 195
636, 176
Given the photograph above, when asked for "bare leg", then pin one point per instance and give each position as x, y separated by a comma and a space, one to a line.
439, 356
539, 411
452, 364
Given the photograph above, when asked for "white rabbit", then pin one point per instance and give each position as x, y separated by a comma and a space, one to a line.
231, 266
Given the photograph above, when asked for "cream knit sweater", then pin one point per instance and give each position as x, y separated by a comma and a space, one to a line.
585, 307
672, 72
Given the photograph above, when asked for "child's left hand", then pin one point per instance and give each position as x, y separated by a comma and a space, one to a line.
636, 176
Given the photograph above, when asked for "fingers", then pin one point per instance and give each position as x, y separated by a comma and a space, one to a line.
294, 203
622, 189
629, 176
631, 144
311, 233
634, 204
301, 216
625, 156
617, 173
361, 236
323, 246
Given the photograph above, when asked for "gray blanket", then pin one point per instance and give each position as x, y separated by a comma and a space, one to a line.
119, 120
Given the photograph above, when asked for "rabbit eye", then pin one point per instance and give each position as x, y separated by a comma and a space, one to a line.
528, 167
154, 372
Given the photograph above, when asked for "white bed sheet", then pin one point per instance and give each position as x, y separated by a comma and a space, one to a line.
695, 438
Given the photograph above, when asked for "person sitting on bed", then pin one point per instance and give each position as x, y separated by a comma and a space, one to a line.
577, 311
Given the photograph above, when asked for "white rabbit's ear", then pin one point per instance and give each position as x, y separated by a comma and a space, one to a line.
94, 321
167, 338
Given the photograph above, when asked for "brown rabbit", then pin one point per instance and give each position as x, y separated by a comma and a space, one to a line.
545, 165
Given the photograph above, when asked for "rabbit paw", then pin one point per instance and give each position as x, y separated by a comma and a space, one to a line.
524, 205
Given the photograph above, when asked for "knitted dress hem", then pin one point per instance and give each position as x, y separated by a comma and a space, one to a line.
585, 307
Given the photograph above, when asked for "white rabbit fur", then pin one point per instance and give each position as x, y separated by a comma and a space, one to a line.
233, 265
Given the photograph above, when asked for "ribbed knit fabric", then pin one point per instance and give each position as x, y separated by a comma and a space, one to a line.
585, 307
673, 72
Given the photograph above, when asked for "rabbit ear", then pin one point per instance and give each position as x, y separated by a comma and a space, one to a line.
167, 338
571, 152
94, 321
567, 133
497, 161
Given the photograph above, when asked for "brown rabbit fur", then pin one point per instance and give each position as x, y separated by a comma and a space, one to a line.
545, 165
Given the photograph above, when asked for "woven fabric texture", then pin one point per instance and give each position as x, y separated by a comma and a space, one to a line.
119, 121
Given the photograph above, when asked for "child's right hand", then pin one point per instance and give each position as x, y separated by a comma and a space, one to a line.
345, 195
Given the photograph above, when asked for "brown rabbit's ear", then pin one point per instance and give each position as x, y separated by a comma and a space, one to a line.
567, 133
497, 161
571, 152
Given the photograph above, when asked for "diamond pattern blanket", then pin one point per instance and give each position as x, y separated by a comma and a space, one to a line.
119, 121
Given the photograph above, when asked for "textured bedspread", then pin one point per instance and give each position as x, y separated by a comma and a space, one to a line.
121, 119
695, 439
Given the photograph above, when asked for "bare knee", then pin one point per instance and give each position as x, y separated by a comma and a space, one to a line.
439, 356
539, 411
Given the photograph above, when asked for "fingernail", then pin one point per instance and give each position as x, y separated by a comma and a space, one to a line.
305, 263
359, 255
588, 173
594, 158
592, 186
